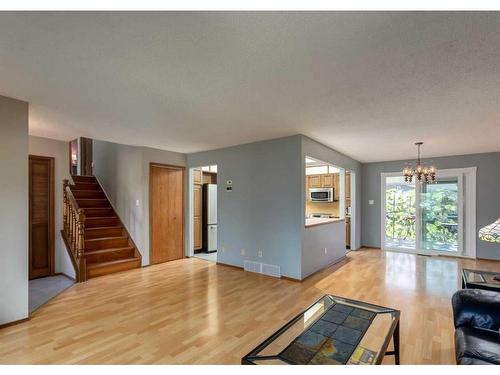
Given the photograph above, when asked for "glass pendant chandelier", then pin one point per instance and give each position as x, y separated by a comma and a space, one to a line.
420, 172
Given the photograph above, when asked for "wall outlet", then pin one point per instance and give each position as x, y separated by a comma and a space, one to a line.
259, 254
371, 201
326, 250
242, 251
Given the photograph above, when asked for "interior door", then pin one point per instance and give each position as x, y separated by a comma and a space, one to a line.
166, 213
41, 216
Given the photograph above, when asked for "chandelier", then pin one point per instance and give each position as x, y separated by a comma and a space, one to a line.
421, 172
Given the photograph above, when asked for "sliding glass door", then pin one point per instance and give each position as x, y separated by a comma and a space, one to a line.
423, 218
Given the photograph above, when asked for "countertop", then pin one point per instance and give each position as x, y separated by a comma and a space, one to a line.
314, 221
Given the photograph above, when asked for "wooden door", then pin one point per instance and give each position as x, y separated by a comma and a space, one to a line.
41, 216
198, 196
166, 205
348, 186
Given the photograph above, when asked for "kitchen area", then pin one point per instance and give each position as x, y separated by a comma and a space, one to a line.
327, 208
328, 199
205, 213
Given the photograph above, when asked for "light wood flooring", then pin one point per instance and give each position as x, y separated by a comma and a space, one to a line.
197, 312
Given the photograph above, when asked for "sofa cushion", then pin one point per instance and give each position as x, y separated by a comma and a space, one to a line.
473, 344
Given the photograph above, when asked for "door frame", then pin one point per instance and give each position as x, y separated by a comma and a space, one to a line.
166, 166
51, 215
467, 211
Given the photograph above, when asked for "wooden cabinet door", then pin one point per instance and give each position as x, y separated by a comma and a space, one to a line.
166, 204
197, 176
314, 181
198, 239
41, 216
327, 180
197, 212
348, 186
336, 186
348, 233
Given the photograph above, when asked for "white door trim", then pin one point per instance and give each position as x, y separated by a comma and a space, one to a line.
467, 189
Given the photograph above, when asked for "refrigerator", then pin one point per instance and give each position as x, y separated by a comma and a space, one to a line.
209, 217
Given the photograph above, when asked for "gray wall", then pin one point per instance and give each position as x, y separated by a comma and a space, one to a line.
487, 202
59, 150
14, 206
123, 172
264, 211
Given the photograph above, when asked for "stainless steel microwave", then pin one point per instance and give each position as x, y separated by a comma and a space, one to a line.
321, 195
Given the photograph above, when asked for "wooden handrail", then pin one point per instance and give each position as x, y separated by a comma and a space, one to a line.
74, 231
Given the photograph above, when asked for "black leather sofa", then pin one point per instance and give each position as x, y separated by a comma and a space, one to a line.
476, 314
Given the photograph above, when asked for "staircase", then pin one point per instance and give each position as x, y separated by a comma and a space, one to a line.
97, 241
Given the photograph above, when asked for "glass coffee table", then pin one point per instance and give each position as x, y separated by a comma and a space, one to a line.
333, 330
476, 279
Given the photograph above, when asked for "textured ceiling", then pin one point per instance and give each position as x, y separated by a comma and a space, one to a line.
367, 84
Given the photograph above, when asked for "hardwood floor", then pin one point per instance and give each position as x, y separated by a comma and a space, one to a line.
193, 311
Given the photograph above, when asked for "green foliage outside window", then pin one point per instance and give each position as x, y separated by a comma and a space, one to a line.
438, 204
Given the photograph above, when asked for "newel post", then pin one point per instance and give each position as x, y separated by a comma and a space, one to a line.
80, 244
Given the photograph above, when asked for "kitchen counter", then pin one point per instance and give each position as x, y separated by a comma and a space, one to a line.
314, 221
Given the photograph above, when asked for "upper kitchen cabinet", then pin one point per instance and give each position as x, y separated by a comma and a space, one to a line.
197, 176
348, 185
314, 181
327, 180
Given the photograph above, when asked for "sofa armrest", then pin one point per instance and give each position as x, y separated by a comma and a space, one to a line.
476, 308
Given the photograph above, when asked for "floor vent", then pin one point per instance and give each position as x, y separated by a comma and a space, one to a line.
252, 266
271, 270
265, 269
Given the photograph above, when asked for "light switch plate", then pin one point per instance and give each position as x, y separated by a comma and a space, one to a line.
371, 201
137, 202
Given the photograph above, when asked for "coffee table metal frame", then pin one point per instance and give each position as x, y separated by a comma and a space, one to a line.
392, 333
466, 284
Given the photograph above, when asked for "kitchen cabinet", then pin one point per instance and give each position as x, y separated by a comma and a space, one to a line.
314, 181
327, 180
347, 186
336, 186
197, 176
197, 212
348, 232
198, 240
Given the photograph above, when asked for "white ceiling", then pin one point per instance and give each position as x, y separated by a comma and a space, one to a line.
367, 84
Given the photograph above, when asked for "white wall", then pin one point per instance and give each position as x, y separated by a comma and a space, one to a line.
59, 150
123, 172
14, 210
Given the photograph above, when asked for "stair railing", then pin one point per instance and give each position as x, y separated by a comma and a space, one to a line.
74, 231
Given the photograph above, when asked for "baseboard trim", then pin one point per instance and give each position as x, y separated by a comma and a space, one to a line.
5, 325
344, 258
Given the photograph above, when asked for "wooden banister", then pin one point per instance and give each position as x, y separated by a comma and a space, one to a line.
74, 231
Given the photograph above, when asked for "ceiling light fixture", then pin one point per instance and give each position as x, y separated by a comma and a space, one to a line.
421, 172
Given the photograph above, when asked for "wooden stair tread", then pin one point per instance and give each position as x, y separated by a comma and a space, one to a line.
108, 247
111, 263
106, 238
98, 228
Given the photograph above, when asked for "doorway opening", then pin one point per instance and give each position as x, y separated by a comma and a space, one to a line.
166, 212
330, 195
204, 213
